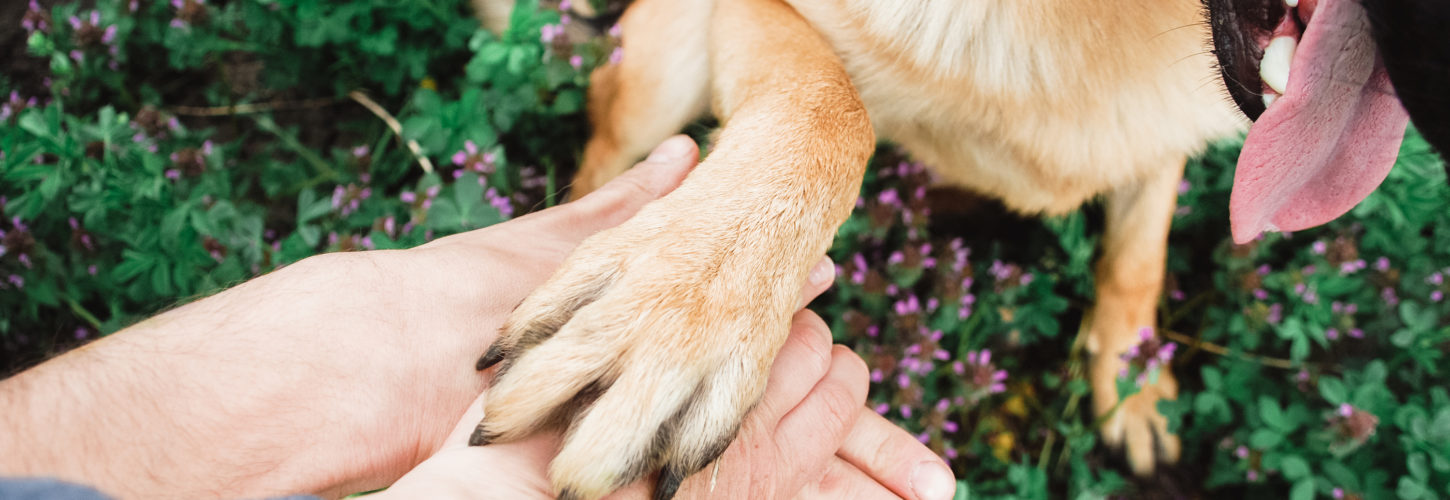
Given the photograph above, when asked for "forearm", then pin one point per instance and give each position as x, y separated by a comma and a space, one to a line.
180, 405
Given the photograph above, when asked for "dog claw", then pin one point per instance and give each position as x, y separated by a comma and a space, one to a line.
490, 358
480, 437
669, 483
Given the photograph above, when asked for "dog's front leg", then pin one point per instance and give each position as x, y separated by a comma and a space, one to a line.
655, 338
1129, 283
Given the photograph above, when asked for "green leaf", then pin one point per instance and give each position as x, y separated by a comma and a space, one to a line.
1270, 412
161, 280
1299, 349
443, 216
133, 263
310, 235
202, 223
1339, 474
1303, 490
1419, 466
1264, 439
1409, 489
469, 195
1333, 390
1212, 378
310, 208
172, 225
1294, 467
35, 124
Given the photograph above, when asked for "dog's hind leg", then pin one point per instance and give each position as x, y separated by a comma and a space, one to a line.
1129, 283
659, 85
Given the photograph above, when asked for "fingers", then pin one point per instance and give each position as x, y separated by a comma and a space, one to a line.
612, 204
822, 274
803, 360
844, 481
617, 201
897, 460
815, 428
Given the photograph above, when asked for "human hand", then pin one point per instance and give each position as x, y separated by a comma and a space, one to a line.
334, 375
809, 437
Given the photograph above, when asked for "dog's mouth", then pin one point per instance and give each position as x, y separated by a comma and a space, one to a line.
1327, 122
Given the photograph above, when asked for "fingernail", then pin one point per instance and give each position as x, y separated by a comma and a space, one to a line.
823, 272
672, 149
931, 480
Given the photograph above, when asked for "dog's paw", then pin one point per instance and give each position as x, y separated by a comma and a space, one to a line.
1134, 424
648, 346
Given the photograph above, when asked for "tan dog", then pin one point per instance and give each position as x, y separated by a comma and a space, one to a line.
653, 340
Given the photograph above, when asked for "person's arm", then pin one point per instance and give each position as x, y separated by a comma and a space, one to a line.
334, 375
235, 394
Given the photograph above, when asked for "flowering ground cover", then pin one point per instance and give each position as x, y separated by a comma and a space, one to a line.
152, 152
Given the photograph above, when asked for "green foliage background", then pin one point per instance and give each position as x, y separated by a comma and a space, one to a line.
172, 149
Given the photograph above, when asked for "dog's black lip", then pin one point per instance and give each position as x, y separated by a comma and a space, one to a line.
1416, 54
1237, 27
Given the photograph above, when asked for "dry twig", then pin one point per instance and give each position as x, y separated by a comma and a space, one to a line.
367, 102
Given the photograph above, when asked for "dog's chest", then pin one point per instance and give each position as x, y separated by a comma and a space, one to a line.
1043, 104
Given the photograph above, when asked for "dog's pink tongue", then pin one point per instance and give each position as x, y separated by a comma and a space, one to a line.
1329, 140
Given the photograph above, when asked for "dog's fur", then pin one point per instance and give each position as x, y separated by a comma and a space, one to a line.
658, 333
668, 323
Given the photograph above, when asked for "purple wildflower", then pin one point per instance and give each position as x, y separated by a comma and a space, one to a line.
550, 32
1276, 314
982, 374
1352, 423
1148, 355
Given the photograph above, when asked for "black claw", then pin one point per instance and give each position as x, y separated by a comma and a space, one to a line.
669, 483
490, 358
480, 437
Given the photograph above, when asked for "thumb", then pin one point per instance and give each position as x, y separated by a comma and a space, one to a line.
649, 180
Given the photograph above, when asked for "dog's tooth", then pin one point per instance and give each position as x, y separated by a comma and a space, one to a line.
1274, 67
1269, 99
1291, 3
